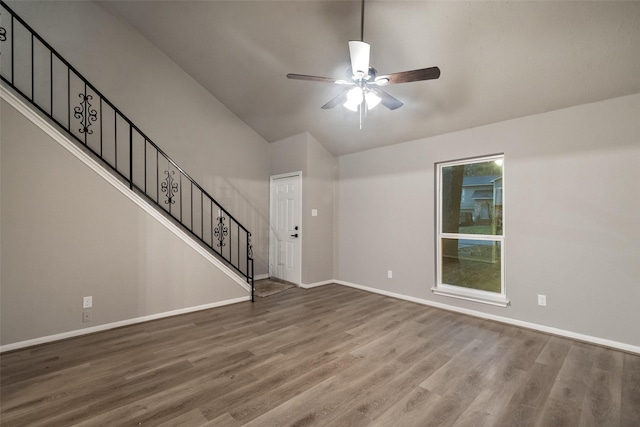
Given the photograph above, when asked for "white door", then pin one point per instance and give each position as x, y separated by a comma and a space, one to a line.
285, 235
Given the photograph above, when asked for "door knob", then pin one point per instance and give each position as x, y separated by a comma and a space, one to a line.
294, 235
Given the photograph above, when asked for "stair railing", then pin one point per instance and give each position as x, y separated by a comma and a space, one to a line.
33, 69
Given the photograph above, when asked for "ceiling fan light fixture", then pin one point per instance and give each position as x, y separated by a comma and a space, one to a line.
351, 107
372, 99
365, 93
354, 98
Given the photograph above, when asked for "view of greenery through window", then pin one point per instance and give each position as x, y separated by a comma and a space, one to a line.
471, 224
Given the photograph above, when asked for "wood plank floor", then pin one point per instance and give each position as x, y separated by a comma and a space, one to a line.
329, 356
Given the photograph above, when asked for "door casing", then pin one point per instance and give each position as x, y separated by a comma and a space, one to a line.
272, 240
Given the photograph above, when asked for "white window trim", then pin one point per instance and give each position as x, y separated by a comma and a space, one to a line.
460, 292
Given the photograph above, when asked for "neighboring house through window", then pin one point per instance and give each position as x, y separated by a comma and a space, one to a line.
470, 233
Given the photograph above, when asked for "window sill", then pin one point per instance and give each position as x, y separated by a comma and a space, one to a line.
471, 295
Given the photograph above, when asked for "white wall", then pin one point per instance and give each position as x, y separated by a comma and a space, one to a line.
571, 217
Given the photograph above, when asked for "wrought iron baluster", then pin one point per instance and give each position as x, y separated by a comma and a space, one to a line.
249, 274
115, 139
221, 231
13, 52
230, 241
101, 127
130, 156
51, 82
157, 179
3, 33
169, 186
85, 113
33, 76
211, 204
68, 128
145, 165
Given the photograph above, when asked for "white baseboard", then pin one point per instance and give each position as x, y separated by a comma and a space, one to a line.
541, 328
26, 110
107, 326
316, 284
534, 326
302, 285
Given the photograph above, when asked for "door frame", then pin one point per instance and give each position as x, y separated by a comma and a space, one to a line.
272, 178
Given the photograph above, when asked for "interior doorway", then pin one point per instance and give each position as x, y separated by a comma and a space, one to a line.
285, 231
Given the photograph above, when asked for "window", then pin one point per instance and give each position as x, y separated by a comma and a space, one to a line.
470, 230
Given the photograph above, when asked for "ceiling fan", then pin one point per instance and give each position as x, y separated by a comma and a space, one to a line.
363, 84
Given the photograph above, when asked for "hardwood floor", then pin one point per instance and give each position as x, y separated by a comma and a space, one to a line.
329, 356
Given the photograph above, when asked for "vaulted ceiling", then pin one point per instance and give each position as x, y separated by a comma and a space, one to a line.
499, 60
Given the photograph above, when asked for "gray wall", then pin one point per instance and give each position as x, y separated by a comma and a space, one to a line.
66, 233
319, 171
215, 147
571, 216
322, 169
289, 155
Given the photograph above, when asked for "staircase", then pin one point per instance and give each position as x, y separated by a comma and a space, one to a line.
52, 86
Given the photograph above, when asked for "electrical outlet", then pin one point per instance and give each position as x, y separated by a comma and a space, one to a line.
86, 316
542, 300
389, 274
87, 302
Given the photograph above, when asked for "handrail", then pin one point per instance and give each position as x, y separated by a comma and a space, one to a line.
46, 80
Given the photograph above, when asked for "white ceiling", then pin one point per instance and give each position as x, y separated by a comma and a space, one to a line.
499, 60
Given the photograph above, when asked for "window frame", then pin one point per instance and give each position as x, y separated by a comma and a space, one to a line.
460, 292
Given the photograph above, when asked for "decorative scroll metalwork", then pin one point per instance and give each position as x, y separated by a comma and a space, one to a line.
249, 247
3, 34
169, 186
85, 113
221, 231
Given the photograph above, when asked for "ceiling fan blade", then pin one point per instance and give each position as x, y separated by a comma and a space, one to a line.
312, 78
359, 52
409, 76
340, 99
387, 100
